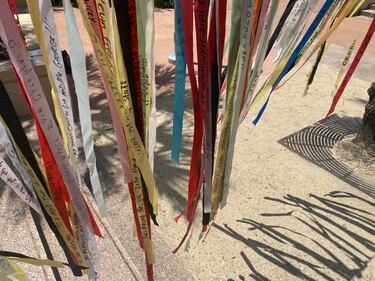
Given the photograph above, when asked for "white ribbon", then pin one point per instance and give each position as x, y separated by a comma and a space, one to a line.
78, 62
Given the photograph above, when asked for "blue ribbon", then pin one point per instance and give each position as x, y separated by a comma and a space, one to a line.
295, 54
180, 76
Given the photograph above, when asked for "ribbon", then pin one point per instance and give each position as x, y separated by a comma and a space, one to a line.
35, 95
309, 33
107, 20
201, 9
45, 29
145, 27
19, 57
353, 66
127, 27
216, 40
78, 62
180, 77
48, 205
120, 91
13, 123
12, 256
311, 74
8, 176
359, 5
195, 172
257, 69
125, 109
105, 34
344, 66
234, 44
140, 195
9, 269
344, 11
295, 21
280, 24
44, 22
295, 53
16, 163
249, 24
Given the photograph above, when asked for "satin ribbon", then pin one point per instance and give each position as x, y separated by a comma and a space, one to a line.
353, 66
234, 43
140, 195
48, 205
216, 40
344, 66
201, 9
105, 34
179, 93
78, 62
250, 20
359, 5
9, 178
9, 268
37, 99
146, 38
18, 55
286, 41
12, 256
127, 27
11, 119
295, 22
331, 13
125, 109
257, 68
342, 14
311, 74
195, 172
45, 27
108, 32
295, 53
27, 185
123, 103
280, 24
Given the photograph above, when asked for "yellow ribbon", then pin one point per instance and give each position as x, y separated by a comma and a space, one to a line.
47, 203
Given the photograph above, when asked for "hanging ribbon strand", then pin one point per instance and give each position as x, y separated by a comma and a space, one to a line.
224, 88
353, 66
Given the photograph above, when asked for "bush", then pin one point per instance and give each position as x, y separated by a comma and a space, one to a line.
56, 3
164, 3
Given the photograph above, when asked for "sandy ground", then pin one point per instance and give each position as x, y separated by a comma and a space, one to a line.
286, 218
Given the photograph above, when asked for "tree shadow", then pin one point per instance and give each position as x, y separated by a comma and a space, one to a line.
329, 237
168, 175
314, 143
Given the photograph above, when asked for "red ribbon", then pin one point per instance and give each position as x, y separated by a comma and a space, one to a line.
194, 175
59, 193
353, 66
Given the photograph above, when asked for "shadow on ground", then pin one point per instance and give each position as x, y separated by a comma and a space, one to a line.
314, 143
329, 237
167, 174
106, 142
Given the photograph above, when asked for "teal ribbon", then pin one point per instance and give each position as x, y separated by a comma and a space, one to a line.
179, 92
292, 59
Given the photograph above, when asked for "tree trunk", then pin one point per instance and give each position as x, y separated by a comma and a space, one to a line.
367, 132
